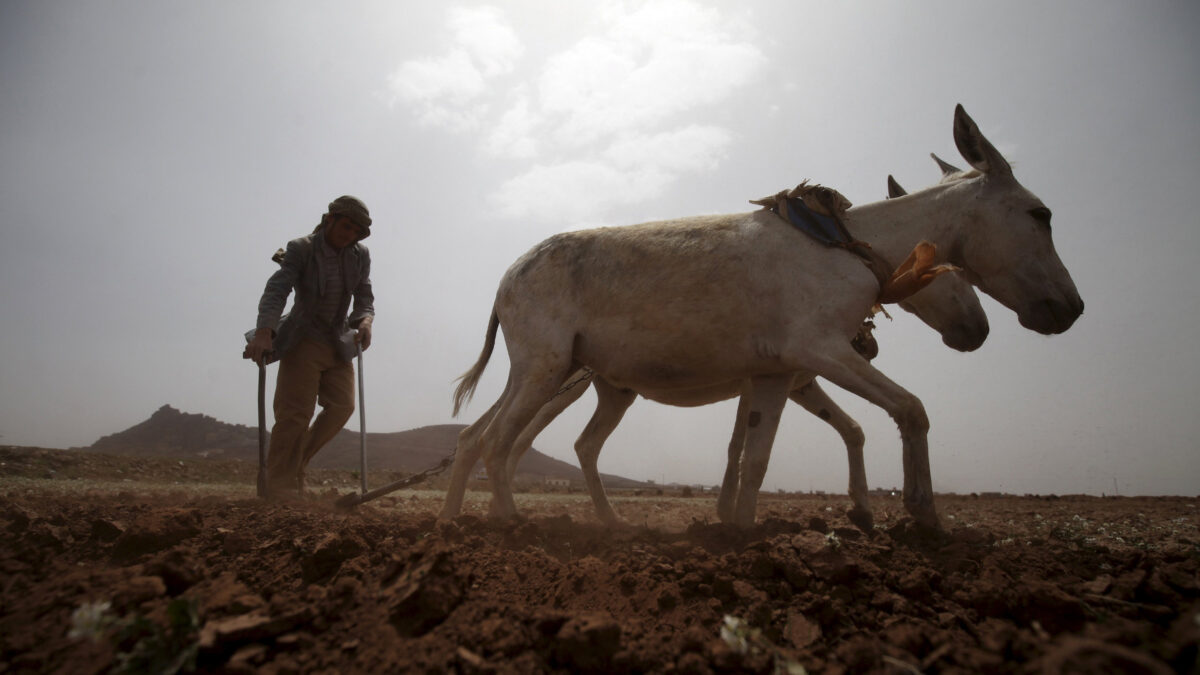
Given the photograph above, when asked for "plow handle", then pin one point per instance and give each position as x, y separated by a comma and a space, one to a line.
262, 430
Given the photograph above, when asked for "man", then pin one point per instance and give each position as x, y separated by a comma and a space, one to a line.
316, 342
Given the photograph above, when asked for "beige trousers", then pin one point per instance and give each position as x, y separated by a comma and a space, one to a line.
310, 373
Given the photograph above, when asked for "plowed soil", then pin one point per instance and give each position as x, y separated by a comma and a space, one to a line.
177, 575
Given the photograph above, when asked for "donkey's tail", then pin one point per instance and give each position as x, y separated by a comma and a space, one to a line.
470, 379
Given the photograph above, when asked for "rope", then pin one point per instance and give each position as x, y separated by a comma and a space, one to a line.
587, 375
432, 471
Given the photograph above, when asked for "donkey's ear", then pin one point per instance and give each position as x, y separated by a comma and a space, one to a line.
894, 189
977, 150
947, 168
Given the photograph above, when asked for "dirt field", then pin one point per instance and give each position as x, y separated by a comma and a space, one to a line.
107, 565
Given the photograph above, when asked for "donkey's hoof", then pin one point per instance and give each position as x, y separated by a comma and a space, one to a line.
863, 519
924, 513
501, 515
745, 521
611, 520
928, 520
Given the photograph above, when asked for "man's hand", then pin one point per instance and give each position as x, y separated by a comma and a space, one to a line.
363, 336
259, 346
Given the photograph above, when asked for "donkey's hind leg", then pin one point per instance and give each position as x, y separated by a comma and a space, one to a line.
768, 394
530, 386
467, 452
727, 499
611, 405
549, 412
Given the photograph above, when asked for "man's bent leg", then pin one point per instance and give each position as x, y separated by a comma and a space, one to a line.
336, 398
296, 391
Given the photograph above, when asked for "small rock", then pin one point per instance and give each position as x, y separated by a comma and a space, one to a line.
469, 658
178, 570
18, 517
746, 592
250, 655
237, 543
692, 664
155, 533
425, 593
227, 634
1099, 585
809, 543
328, 555
668, 598
138, 590
1080, 655
294, 641
107, 530
800, 631
588, 642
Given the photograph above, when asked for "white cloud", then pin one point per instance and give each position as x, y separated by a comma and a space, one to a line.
657, 62
692, 148
452, 77
613, 119
576, 191
514, 135
443, 89
486, 35
630, 170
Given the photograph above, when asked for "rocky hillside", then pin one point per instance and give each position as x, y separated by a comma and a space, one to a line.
172, 433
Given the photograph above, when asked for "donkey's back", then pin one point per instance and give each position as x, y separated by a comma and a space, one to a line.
680, 302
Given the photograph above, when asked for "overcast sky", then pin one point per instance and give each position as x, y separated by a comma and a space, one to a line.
154, 154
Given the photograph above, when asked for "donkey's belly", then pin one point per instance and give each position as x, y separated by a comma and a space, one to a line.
681, 365
695, 396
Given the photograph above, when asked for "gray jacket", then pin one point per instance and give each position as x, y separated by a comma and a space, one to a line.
301, 270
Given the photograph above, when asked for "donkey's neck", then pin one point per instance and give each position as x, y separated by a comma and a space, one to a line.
894, 226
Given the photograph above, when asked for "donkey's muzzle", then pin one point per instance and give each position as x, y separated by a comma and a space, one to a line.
1051, 317
966, 338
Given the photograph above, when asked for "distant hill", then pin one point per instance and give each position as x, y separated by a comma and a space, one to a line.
171, 433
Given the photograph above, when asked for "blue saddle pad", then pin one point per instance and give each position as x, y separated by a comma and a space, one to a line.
823, 228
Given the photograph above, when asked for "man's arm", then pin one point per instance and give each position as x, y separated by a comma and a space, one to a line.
280, 285
363, 313
274, 299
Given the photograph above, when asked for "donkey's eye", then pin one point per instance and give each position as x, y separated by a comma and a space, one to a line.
1041, 214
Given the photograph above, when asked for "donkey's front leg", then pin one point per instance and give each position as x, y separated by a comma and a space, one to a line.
768, 394
816, 401
848, 370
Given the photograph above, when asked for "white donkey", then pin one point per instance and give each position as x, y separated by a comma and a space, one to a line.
949, 306
665, 308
